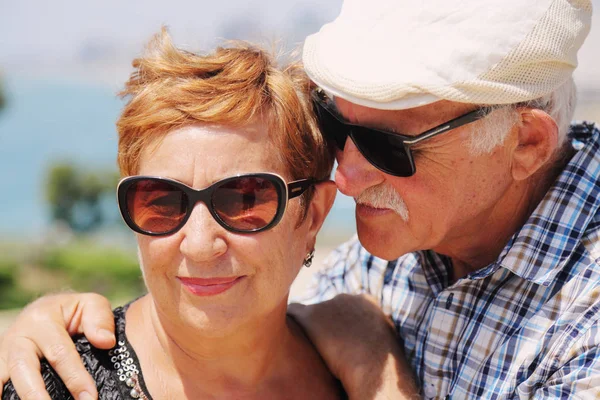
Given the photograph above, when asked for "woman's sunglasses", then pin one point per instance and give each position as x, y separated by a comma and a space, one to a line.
390, 152
243, 204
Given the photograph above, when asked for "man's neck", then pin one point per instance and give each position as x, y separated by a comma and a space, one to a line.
483, 239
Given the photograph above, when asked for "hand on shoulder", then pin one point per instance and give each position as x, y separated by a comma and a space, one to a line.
43, 330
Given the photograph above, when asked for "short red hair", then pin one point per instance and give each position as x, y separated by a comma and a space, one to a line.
231, 86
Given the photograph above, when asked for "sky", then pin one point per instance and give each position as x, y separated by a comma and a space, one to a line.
96, 39
59, 26
39, 37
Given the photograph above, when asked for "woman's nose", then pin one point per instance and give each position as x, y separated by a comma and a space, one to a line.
354, 173
204, 238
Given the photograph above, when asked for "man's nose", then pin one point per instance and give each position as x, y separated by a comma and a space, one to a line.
354, 173
204, 239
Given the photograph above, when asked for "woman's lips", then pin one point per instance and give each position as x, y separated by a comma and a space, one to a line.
210, 286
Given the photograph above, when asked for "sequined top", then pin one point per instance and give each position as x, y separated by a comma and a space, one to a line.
116, 371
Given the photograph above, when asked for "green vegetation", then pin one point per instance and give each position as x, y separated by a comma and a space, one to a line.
82, 200
75, 195
112, 272
11, 295
80, 265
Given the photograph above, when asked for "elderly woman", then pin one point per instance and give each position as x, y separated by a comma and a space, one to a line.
226, 186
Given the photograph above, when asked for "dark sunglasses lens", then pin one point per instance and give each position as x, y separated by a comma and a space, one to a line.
247, 203
333, 130
156, 206
384, 151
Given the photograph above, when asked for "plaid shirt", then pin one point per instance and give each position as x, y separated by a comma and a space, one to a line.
526, 326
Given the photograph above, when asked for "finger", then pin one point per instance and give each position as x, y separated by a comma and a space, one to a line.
24, 370
54, 314
98, 321
60, 352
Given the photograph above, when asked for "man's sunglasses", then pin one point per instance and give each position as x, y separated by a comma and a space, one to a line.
390, 152
243, 204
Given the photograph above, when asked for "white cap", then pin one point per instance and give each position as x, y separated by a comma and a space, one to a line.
397, 54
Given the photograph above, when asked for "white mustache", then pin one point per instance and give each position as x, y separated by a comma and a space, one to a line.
384, 196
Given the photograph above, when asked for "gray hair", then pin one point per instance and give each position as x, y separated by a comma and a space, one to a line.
492, 130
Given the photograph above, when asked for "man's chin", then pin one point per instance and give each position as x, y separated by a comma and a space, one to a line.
380, 242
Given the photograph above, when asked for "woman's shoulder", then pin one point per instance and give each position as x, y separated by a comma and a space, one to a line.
96, 361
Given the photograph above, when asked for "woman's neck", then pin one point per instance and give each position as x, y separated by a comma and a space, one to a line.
248, 363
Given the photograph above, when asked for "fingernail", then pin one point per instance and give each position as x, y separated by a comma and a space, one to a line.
106, 334
85, 396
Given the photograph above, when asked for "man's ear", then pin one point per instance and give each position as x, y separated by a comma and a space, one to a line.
318, 209
537, 139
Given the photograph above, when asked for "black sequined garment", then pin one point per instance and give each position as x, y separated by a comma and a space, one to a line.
116, 371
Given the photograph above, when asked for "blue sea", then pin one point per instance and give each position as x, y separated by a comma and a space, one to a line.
46, 121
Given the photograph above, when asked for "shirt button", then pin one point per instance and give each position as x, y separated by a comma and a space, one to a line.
429, 391
449, 301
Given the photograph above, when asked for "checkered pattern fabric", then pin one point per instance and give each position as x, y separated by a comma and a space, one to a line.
526, 326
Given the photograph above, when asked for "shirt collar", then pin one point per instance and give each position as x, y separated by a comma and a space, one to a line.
540, 249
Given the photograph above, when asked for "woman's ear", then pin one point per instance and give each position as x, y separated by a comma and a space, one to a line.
318, 209
537, 139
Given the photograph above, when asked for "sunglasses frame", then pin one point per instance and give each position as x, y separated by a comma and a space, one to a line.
323, 102
285, 192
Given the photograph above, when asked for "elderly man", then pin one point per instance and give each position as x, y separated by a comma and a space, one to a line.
477, 206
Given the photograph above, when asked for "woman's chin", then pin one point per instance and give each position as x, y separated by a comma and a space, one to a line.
213, 320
